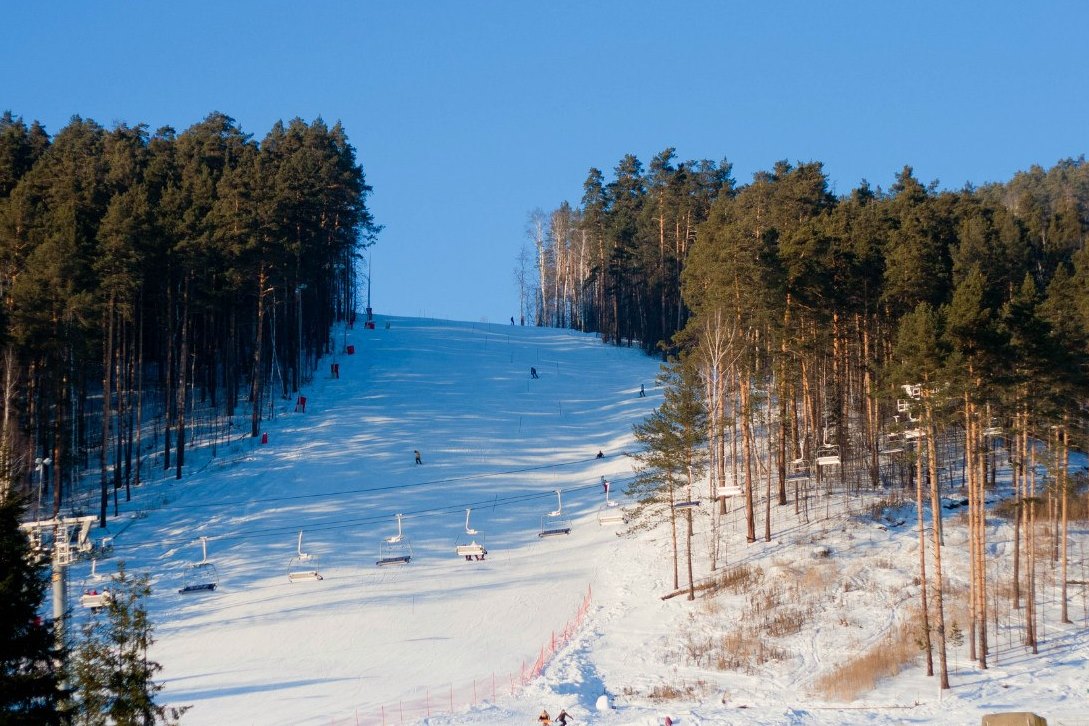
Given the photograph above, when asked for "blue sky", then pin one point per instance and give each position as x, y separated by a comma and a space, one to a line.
468, 115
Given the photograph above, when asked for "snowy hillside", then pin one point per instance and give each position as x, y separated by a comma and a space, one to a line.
444, 640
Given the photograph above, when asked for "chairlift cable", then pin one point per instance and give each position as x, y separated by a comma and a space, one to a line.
391, 487
272, 532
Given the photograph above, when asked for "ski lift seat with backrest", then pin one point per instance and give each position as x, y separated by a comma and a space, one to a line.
395, 550
555, 523
828, 455
295, 570
474, 548
202, 575
891, 444
471, 550
799, 469
94, 599
728, 490
611, 515
610, 512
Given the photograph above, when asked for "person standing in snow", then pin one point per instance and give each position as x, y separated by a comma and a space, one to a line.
512, 320
417, 453
544, 719
562, 718
642, 391
604, 485
533, 373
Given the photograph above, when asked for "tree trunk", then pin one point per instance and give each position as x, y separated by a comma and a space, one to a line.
747, 456
107, 375
673, 536
183, 370
688, 543
1064, 486
1030, 545
257, 375
925, 605
936, 511
970, 454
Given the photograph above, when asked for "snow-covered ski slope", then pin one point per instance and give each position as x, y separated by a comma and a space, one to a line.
369, 644
263, 650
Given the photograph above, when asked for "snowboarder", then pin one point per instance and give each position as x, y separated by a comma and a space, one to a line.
642, 391
600, 455
533, 373
544, 719
417, 453
562, 718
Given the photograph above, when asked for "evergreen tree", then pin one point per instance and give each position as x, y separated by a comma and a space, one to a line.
674, 441
113, 674
29, 675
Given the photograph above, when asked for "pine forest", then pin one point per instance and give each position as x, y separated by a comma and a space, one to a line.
161, 289
897, 340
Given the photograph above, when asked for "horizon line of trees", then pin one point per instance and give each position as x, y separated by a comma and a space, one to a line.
154, 282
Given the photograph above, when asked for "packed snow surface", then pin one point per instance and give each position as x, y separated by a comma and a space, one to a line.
445, 640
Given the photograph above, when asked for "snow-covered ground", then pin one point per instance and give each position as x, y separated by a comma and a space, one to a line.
446, 641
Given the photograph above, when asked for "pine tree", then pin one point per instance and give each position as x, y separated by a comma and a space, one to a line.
674, 438
921, 357
29, 674
113, 674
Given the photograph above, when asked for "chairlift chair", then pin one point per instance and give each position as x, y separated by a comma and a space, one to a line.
610, 512
94, 597
827, 455
202, 576
732, 489
890, 445
689, 503
473, 549
395, 550
302, 566
555, 523
799, 470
